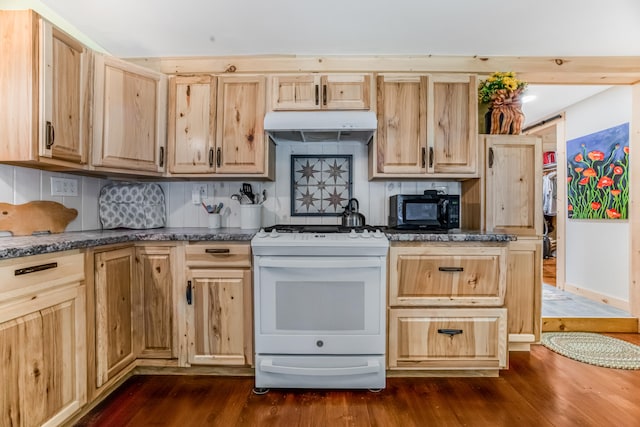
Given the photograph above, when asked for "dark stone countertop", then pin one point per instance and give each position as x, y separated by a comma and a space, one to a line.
14, 247
447, 236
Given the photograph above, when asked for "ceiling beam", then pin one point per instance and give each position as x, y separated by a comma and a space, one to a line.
538, 70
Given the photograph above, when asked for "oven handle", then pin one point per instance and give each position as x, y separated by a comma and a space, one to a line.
372, 367
319, 262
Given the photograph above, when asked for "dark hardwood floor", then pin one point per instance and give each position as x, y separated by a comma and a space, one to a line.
540, 388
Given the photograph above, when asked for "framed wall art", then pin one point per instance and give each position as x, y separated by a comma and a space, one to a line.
598, 174
320, 185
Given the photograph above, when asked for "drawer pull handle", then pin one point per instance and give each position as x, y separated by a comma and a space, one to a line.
217, 251
451, 269
33, 269
450, 332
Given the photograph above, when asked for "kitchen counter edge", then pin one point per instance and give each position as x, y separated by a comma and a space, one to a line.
21, 246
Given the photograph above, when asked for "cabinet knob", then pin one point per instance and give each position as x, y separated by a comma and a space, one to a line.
210, 157
490, 157
218, 157
430, 157
317, 94
424, 157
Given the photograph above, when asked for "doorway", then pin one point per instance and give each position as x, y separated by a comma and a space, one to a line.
561, 309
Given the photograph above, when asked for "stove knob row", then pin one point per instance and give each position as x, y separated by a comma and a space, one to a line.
366, 234
274, 233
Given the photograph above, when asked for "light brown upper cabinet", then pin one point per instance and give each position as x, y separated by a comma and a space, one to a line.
427, 127
513, 184
320, 92
191, 127
240, 138
216, 126
129, 117
45, 93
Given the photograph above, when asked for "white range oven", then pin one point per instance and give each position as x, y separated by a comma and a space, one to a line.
319, 307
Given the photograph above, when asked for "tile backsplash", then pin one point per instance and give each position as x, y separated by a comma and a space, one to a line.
20, 185
372, 196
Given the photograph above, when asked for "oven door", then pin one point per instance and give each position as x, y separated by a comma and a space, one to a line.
319, 305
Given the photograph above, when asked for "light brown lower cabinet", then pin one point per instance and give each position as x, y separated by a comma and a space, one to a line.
446, 306
116, 306
447, 338
42, 339
219, 308
524, 292
155, 282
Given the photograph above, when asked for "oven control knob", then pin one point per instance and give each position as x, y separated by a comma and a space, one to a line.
365, 234
378, 234
319, 343
353, 234
261, 233
274, 233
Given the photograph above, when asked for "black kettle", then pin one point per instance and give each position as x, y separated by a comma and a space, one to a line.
351, 217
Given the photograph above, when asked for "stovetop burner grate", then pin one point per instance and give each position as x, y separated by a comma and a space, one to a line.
318, 228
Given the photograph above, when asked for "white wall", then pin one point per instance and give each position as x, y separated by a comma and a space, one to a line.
372, 196
597, 252
51, 16
20, 185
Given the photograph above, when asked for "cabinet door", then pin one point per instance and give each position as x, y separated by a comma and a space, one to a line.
192, 112
43, 358
524, 290
64, 93
452, 124
240, 140
129, 116
346, 92
220, 328
295, 92
155, 283
513, 188
115, 301
402, 133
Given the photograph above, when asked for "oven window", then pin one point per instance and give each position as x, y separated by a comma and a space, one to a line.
420, 211
322, 305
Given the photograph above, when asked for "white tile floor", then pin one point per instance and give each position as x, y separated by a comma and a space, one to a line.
559, 303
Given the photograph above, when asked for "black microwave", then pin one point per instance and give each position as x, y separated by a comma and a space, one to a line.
431, 211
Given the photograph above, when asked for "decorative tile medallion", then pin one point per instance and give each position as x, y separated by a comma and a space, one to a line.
320, 185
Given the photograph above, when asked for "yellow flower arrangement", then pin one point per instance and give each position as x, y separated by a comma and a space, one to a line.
500, 86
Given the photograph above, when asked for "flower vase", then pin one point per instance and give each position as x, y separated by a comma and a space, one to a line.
504, 119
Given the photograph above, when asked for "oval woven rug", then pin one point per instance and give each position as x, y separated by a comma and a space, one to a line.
594, 349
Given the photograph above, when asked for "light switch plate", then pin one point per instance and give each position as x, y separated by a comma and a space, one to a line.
64, 186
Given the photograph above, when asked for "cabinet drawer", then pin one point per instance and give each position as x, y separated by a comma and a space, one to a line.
447, 276
29, 275
218, 255
448, 338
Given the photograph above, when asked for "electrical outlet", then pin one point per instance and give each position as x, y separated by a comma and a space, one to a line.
64, 186
198, 193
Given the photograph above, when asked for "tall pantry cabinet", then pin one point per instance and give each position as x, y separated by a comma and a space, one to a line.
508, 199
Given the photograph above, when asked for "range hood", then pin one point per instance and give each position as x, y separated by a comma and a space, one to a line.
320, 126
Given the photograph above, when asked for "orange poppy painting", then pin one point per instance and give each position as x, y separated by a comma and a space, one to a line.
598, 174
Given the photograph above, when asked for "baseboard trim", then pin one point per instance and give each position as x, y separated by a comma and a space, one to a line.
597, 296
